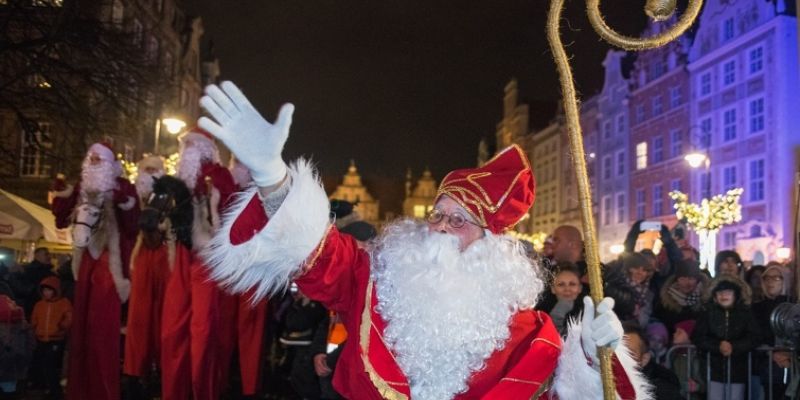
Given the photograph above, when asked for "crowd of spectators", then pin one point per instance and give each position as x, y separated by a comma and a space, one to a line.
697, 334
692, 334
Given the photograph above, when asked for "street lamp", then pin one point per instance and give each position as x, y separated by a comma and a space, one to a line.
174, 126
695, 159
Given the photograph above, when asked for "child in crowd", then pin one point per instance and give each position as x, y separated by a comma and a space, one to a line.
16, 343
686, 363
727, 331
51, 320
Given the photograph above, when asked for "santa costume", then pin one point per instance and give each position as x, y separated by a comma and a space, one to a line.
201, 324
427, 319
244, 318
150, 271
100, 269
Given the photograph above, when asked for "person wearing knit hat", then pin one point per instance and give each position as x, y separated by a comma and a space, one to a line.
728, 262
681, 295
435, 309
106, 208
726, 330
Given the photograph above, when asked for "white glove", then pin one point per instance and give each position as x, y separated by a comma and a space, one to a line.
603, 330
255, 142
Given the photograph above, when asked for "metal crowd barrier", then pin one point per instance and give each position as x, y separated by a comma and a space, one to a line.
691, 351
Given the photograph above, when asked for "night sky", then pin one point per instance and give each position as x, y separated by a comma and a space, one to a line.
397, 84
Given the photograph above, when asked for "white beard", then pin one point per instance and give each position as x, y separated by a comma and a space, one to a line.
98, 178
144, 183
447, 311
188, 168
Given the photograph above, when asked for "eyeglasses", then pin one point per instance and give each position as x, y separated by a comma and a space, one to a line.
774, 278
455, 220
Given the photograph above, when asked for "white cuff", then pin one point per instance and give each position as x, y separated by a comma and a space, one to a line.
269, 260
269, 174
575, 379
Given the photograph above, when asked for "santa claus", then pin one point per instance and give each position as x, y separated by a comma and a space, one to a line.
190, 332
103, 210
150, 271
441, 309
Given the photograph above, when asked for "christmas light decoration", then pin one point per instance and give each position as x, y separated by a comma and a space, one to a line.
708, 217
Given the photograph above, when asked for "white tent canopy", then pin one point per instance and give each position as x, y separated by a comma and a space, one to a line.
23, 220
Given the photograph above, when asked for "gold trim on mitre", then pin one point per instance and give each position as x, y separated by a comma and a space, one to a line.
383, 387
481, 198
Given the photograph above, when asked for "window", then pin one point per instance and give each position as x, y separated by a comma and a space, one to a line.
117, 12
675, 185
727, 30
676, 143
675, 98
621, 124
658, 149
136, 32
34, 161
620, 207
151, 50
621, 163
729, 239
729, 125
756, 60
640, 113
657, 106
756, 183
640, 203
607, 210
607, 167
641, 155
728, 178
705, 84
658, 200
705, 185
705, 133
658, 68
168, 68
757, 115
729, 72
607, 130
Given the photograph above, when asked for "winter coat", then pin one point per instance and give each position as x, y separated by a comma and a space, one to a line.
664, 381
52, 319
16, 341
670, 312
735, 325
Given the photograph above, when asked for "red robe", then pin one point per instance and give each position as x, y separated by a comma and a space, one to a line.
337, 273
95, 335
149, 276
201, 324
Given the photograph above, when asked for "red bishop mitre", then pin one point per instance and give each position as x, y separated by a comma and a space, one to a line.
498, 194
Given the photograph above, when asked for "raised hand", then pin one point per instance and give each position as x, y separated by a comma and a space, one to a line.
255, 142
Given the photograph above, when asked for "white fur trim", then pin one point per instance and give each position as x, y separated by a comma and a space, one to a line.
575, 379
268, 261
128, 204
103, 151
64, 193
